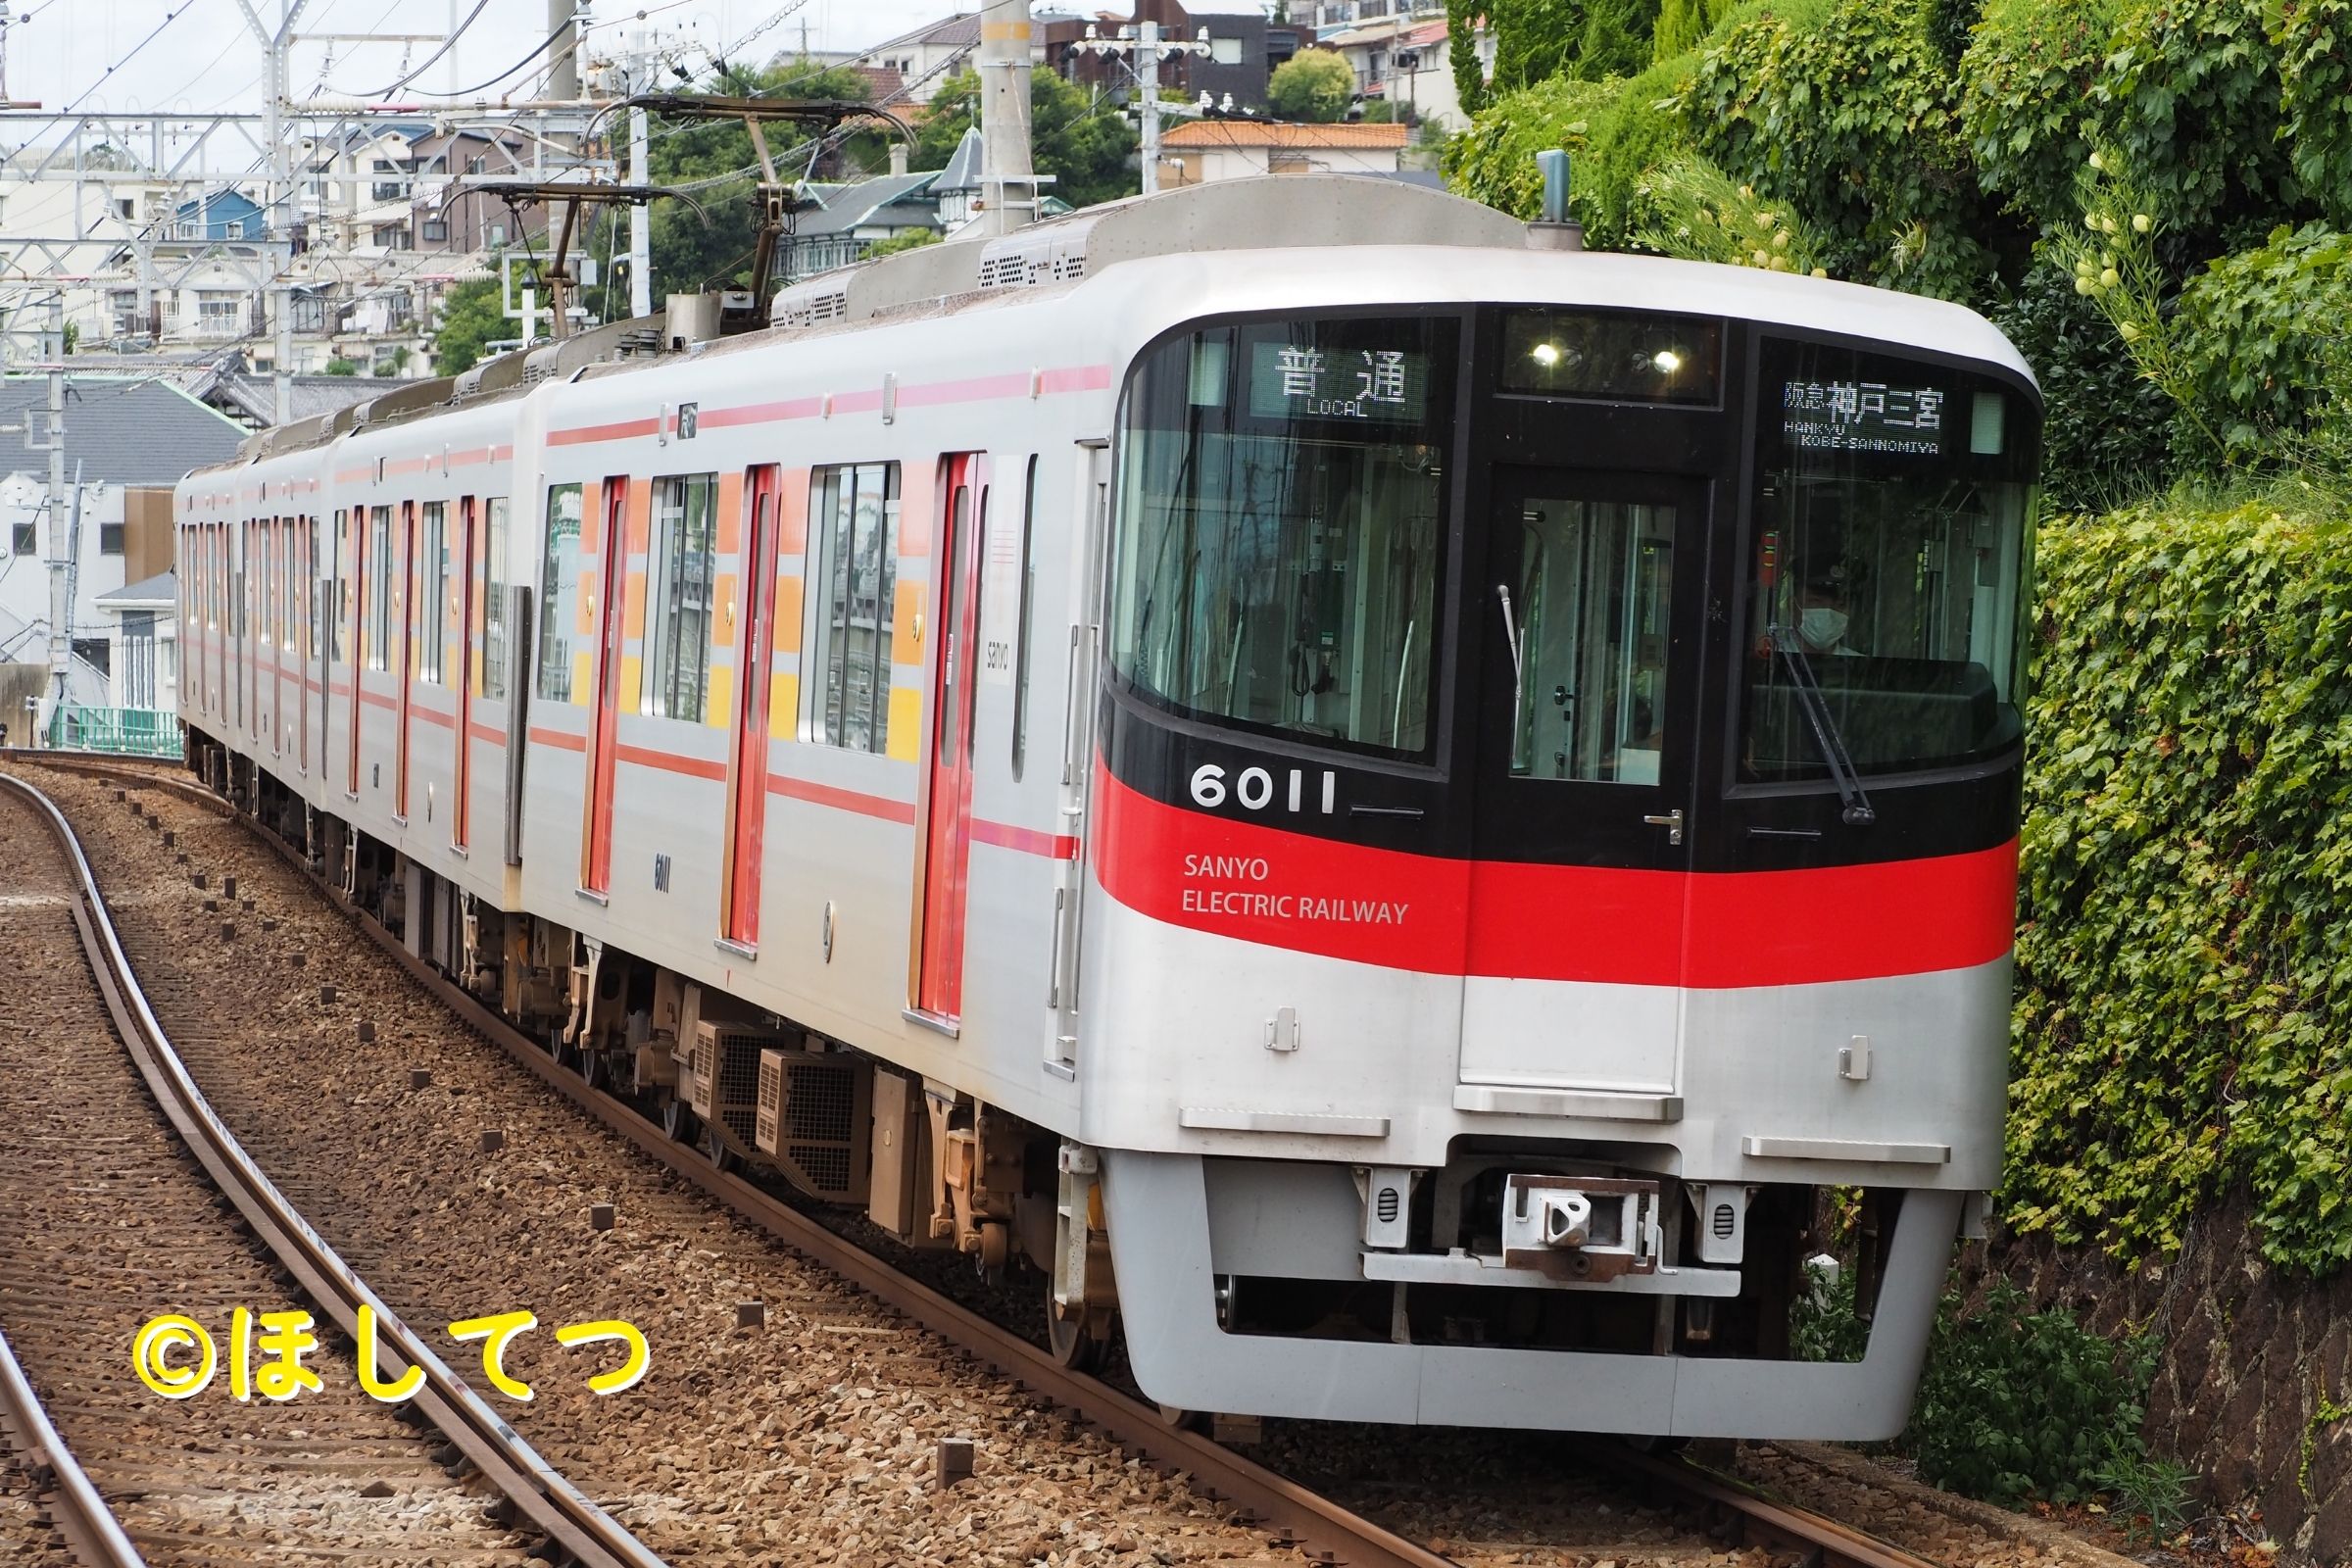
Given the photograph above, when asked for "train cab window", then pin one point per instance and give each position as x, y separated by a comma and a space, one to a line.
1593, 630
494, 598
853, 535
677, 622
380, 588
1612, 355
431, 593
1894, 505
1281, 526
559, 592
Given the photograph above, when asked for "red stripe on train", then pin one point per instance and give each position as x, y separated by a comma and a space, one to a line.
1706, 930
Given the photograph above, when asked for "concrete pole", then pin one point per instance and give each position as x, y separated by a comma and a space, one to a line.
563, 74
61, 604
641, 228
1006, 182
285, 354
1146, 72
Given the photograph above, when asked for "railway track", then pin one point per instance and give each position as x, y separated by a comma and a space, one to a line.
137, 1202
1719, 1513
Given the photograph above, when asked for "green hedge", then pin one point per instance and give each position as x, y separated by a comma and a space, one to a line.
2184, 981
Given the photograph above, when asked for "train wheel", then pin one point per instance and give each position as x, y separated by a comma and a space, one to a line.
593, 1072
678, 1120
1184, 1420
1066, 1337
724, 1159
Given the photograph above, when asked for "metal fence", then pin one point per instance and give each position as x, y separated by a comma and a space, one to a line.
122, 731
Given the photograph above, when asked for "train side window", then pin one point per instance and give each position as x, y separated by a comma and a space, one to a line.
1020, 632
854, 549
494, 598
432, 591
678, 633
339, 626
379, 590
559, 592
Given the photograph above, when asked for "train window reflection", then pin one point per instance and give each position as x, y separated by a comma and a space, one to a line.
1281, 527
1595, 593
1891, 515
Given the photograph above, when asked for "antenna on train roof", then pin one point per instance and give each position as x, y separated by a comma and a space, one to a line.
1555, 230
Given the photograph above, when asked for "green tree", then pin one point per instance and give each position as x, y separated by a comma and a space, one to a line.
1085, 144
1314, 84
913, 239
470, 316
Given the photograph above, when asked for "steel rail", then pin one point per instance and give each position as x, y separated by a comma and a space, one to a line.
1321, 1528
537, 1491
92, 1531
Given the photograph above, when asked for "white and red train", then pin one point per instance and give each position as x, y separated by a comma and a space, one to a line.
1382, 804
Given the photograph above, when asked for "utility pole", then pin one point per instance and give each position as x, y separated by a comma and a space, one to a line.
61, 562
277, 47
1148, 49
563, 65
641, 229
1004, 37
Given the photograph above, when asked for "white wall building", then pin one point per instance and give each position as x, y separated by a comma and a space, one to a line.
1233, 149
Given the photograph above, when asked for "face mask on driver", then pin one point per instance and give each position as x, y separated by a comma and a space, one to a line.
1822, 626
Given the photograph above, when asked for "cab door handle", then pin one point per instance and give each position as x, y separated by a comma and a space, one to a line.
1672, 823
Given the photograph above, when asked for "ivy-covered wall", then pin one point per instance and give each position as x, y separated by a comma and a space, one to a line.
2184, 1021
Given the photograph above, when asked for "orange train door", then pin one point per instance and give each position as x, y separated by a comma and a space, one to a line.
947, 800
468, 536
355, 588
596, 849
746, 773
405, 610
281, 624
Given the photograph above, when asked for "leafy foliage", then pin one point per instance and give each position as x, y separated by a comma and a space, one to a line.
2190, 98
913, 239
470, 316
1696, 211
2184, 987
2028, 102
1314, 84
2106, 437
2313, 42
2015, 1404
1683, 22
1853, 122
2265, 339
1494, 160
1086, 144
1461, 54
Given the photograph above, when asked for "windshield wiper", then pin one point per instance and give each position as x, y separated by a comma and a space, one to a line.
1858, 811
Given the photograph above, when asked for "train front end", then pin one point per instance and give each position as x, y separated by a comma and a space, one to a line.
1556, 819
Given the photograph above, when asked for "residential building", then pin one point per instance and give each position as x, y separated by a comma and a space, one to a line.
927, 56
1403, 63
122, 436
1232, 149
476, 219
140, 624
219, 214
1332, 15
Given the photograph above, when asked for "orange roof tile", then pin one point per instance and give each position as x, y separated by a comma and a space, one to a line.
1255, 133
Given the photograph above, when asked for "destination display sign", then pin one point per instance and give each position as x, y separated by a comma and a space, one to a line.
1377, 385
1864, 417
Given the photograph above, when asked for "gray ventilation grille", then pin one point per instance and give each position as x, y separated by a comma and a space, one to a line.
1023, 262
811, 304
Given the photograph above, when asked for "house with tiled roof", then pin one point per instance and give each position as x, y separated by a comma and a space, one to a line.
1233, 149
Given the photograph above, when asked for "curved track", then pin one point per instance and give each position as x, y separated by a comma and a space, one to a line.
129, 1215
1322, 1528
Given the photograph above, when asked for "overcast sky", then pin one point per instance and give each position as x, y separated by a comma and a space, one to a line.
59, 51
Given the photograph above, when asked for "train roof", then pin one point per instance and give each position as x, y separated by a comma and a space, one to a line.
1407, 244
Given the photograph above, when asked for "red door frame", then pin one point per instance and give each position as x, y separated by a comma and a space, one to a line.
355, 644
307, 574
403, 598
754, 656
280, 621
947, 798
596, 848
460, 809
